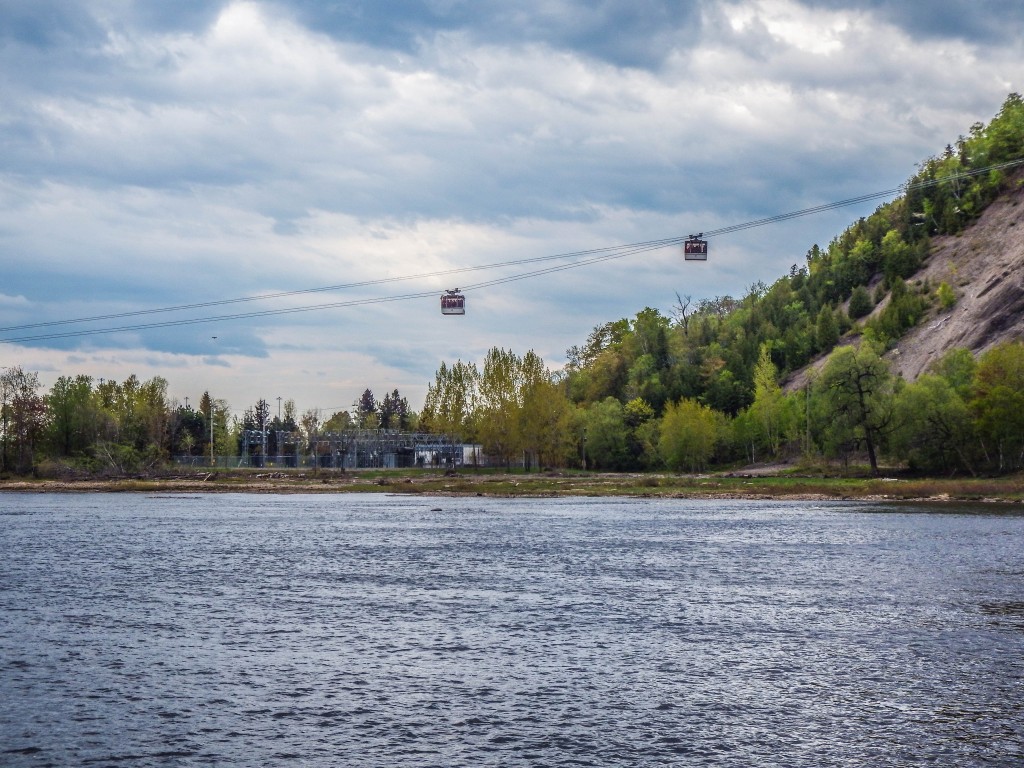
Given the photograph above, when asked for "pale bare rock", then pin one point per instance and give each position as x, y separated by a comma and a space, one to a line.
984, 266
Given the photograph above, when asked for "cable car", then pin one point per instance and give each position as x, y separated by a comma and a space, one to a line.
453, 303
695, 249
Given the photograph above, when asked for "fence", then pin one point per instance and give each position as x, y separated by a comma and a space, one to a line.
355, 449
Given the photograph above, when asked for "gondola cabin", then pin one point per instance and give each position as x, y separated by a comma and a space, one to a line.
453, 303
695, 249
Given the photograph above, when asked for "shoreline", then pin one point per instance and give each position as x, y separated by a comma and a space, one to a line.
732, 486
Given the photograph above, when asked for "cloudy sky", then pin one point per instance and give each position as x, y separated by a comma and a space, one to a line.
157, 154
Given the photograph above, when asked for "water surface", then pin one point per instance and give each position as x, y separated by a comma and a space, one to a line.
372, 630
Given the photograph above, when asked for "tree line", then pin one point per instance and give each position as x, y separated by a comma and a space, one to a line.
128, 426
964, 415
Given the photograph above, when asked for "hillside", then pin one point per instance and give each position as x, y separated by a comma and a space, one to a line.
985, 266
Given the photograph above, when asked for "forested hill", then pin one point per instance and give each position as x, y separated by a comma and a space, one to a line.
936, 268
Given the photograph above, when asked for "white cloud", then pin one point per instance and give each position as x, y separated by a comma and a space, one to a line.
255, 154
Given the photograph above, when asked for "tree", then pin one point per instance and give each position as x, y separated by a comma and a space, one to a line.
946, 296
153, 413
289, 420
136, 417
338, 422
997, 403
366, 410
767, 410
186, 430
223, 436
261, 419
826, 330
689, 432
22, 417
857, 389
546, 423
958, 367
500, 392
310, 424
639, 418
934, 428
681, 312
394, 411
72, 423
605, 435
451, 402
860, 303
898, 258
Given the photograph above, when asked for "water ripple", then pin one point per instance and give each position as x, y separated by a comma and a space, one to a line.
369, 630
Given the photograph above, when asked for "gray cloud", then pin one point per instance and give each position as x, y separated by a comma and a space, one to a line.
976, 21
622, 32
153, 157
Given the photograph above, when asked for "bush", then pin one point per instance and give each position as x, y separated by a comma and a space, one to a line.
946, 296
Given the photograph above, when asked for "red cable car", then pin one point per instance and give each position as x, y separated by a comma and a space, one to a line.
453, 303
695, 249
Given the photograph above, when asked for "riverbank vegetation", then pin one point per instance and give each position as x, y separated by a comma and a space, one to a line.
788, 484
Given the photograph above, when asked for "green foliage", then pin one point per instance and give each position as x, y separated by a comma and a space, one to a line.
899, 258
860, 303
710, 350
513, 407
826, 330
605, 440
394, 411
636, 382
856, 391
22, 418
338, 422
997, 403
934, 430
904, 310
451, 401
946, 296
958, 367
767, 410
500, 397
547, 423
689, 434
71, 428
365, 411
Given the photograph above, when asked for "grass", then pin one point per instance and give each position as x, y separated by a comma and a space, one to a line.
470, 482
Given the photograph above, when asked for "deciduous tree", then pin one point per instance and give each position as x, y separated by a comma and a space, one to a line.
689, 432
857, 389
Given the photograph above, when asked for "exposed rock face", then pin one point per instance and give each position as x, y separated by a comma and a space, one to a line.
985, 267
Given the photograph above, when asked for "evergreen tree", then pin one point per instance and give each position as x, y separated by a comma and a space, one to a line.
860, 303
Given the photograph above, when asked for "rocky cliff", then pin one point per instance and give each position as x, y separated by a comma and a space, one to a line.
985, 267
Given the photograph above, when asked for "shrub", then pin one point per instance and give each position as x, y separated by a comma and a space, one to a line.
946, 296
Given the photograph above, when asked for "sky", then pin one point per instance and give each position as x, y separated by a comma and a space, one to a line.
157, 155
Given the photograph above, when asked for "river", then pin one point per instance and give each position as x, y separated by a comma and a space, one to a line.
374, 630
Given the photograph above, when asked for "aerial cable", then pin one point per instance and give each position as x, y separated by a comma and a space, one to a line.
361, 284
905, 188
219, 318
595, 255
563, 267
330, 305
